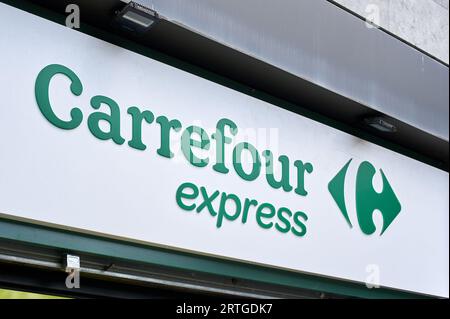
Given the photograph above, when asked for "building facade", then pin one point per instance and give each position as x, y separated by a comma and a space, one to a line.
225, 148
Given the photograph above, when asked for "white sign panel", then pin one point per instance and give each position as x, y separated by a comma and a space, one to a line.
103, 140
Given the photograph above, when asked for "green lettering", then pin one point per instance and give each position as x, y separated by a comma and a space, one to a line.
137, 118
300, 224
287, 225
284, 181
221, 139
222, 208
112, 119
237, 160
207, 201
260, 214
181, 194
166, 126
301, 170
247, 204
187, 142
41, 90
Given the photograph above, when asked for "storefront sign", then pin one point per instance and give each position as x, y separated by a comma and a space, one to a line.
99, 139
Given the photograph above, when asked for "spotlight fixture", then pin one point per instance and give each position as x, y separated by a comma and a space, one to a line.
137, 18
381, 124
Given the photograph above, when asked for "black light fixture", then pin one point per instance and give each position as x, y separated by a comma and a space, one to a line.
137, 18
381, 124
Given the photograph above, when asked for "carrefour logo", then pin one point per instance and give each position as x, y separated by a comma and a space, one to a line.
367, 198
202, 149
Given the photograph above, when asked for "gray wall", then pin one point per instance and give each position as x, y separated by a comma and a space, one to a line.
423, 23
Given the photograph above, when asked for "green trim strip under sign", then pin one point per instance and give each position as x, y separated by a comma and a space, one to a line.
73, 242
